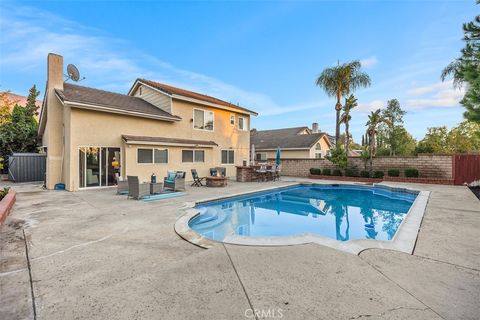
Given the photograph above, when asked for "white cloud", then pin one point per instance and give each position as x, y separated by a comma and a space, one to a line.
369, 62
436, 95
370, 106
29, 34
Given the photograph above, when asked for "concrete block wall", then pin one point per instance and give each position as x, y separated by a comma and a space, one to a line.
428, 166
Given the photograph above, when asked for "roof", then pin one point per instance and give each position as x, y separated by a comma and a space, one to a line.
111, 100
166, 141
287, 138
171, 90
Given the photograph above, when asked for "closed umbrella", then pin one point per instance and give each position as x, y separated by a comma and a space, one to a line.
252, 155
277, 158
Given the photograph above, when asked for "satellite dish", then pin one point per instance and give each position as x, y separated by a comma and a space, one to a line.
73, 73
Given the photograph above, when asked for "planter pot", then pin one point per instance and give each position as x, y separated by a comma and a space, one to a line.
6, 204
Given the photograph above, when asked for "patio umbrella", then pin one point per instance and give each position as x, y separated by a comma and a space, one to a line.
277, 158
252, 155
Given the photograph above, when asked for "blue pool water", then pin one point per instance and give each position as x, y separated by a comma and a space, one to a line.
340, 212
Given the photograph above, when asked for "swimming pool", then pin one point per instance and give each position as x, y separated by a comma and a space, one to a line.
339, 212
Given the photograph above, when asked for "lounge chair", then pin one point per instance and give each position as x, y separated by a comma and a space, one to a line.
122, 186
137, 190
174, 180
197, 181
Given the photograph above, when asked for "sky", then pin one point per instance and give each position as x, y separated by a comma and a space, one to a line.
263, 55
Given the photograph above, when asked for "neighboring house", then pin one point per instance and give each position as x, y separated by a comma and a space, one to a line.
299, 142
16, 99
91, 136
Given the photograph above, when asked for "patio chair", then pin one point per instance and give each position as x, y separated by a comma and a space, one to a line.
222, 170
122, 186
174, 180
276, 175
197, 181
137, 190
213, 172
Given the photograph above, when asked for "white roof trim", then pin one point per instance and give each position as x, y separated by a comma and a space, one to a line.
173, 144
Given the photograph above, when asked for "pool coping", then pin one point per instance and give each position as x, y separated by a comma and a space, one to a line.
403, 241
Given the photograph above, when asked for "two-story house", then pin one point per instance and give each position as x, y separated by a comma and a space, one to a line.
92, 136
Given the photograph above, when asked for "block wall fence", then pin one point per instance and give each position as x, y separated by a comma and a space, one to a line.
428, 166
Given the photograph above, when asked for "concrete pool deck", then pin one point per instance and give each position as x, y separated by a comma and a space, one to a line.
96, 255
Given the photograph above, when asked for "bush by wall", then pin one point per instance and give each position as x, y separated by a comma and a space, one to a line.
326, 172
378, 174
393, 173
315, 171
411, 173
337, 172
364, 174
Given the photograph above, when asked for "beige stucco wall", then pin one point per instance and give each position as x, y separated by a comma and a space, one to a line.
297, 154
100, 129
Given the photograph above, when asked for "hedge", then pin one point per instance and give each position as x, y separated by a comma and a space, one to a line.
411, 173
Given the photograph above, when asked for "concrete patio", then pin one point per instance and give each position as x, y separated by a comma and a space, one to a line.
95, 255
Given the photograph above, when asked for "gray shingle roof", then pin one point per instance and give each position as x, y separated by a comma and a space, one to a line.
287, 138
115, 101
128, 138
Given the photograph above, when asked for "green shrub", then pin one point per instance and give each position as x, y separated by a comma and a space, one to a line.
3, 192
411, 173
364, 174
393, 173
315, 171
378, 174
326, 172
337, 172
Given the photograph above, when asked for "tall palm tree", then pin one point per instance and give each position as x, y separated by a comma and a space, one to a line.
350, 103
340, 81
374, 120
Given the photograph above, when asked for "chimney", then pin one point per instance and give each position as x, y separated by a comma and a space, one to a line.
315, 127
54, 72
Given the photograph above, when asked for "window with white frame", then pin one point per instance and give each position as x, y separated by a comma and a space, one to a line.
242, 123
190, 156
203, 119
318, 151
232, 119
152, 156
261, 156
228, 157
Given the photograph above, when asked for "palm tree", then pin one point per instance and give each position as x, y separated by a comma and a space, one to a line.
374, 120
340, 81
350, 103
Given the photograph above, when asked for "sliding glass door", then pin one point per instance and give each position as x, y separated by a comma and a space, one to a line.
98, 166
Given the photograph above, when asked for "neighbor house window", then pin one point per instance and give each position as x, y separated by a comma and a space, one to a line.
144, 155
193, 156
151, 156
261, 156
140, 91
228, 157
318, 151
242, 123
203, 120
232, 120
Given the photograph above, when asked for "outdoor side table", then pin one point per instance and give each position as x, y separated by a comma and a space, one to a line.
156, 187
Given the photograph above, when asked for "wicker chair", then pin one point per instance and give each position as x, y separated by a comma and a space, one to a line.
122, 186
174, 180
137, 190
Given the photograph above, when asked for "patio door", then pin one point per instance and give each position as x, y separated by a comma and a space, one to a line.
98, 166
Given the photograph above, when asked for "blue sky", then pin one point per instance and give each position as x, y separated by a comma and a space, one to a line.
262, 55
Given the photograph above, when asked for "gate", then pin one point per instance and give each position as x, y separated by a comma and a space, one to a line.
466, 168
26, 167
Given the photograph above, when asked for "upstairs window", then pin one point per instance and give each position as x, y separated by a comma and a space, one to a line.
242, 124
203, 119
232, 120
